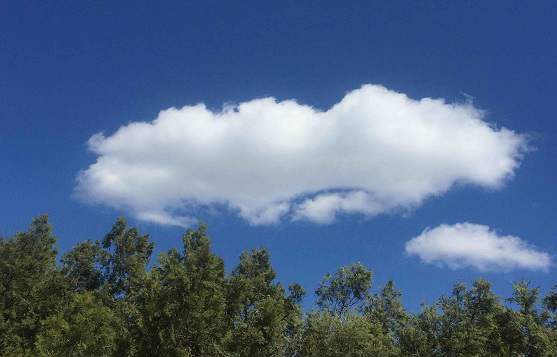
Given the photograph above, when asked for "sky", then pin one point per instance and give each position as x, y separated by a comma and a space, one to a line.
417, 138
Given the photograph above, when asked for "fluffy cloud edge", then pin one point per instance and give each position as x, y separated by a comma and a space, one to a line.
388, 150
470, 245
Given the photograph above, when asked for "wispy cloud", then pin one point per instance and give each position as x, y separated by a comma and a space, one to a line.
375, 151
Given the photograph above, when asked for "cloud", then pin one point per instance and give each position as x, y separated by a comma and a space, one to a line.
476, 246
324, 207
375, 151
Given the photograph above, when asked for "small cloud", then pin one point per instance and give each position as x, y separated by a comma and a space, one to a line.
323, 208
476, 246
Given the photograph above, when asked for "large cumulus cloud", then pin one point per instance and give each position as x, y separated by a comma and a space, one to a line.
374, 151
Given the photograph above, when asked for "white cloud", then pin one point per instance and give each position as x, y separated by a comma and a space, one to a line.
473, 245
324, 207
375, 151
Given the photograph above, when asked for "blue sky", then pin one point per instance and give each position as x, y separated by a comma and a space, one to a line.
70, 70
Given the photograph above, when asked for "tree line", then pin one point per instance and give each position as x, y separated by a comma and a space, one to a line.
103, 298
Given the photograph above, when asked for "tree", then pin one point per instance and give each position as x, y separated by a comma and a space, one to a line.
550, 304
183, 304
82, 266
525, 327
482, 308
332, 335
386, 309
263, 319
418, 336
205, 302
104, 300
162, 330
346, 289
469, 322
83, 328
124, 268
31, 287
126, 257
338, 329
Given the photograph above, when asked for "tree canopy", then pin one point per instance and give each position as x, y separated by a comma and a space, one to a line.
107, 298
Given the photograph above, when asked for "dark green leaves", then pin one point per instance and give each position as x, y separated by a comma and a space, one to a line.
103, 300
344, 290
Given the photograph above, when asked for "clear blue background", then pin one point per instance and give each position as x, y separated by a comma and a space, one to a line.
69, 69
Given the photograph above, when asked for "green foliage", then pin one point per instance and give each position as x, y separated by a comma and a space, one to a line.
263, 318
83, 328
346, 289
386, 308
125, 259
102, 300
550, 305
183, 304
31, 287
527, 333
331, 335
467, 325
82, 265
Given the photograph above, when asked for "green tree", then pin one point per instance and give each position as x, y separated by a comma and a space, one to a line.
206, 299
418, 336
82, 266
332, 335
83, 328
468, 323
126, 258
348, 288
161, 330
124, 268
550, 304
482, 308
183, 304
339, 329
386, 309
525, 333
263, 318
31, 287
103, 300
